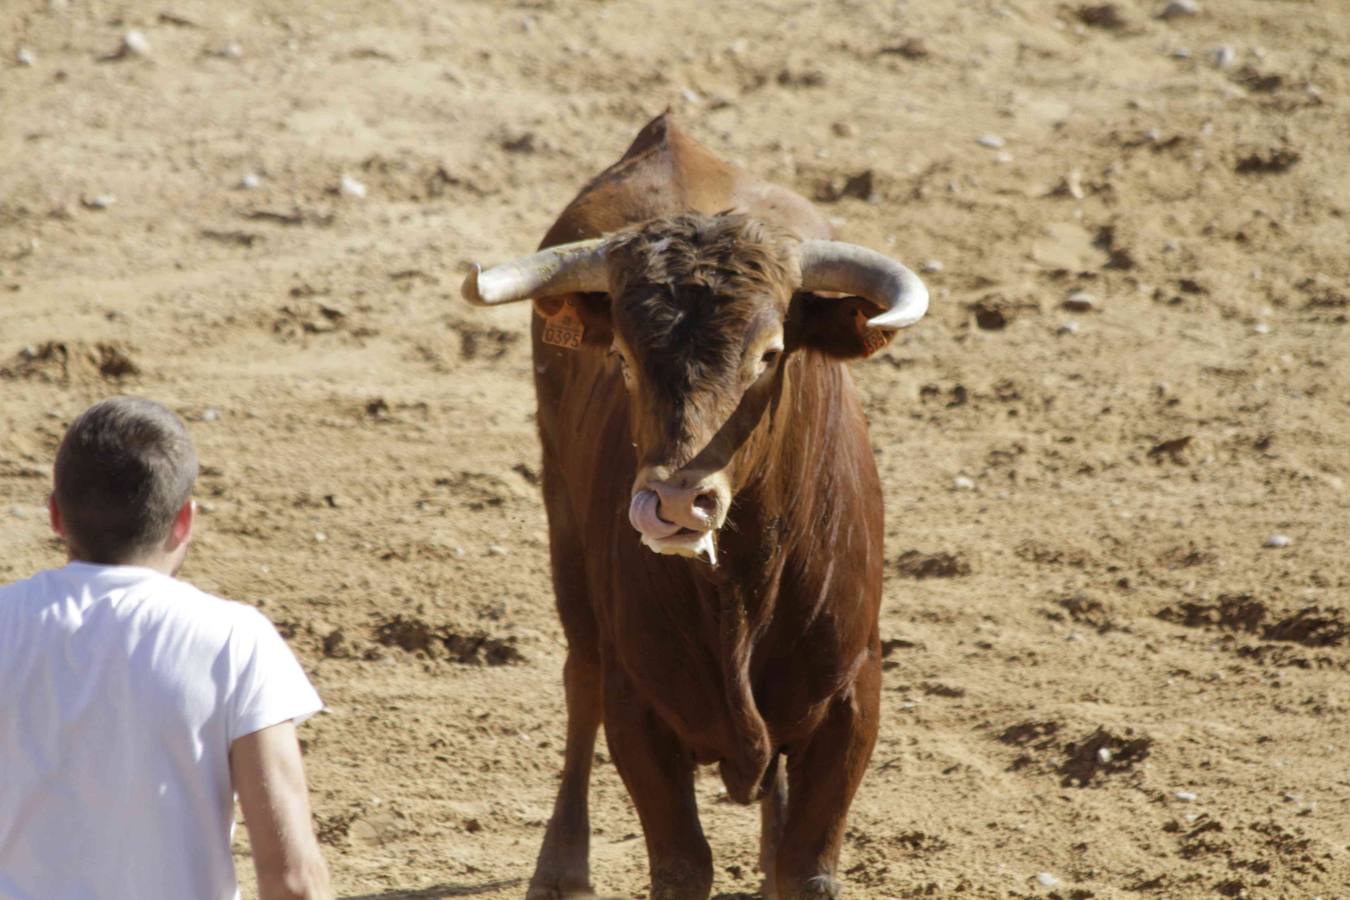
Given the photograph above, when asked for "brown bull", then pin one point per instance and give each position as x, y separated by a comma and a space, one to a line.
715, 515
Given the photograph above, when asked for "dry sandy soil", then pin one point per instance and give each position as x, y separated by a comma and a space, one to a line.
1101, 681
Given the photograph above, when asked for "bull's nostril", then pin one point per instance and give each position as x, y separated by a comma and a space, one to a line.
706, 503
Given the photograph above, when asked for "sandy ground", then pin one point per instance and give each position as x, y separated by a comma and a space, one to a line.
1100, 680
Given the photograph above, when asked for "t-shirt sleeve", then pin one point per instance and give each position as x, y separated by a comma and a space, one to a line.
270, 687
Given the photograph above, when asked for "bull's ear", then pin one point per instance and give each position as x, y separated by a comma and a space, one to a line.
575, 321
836, 326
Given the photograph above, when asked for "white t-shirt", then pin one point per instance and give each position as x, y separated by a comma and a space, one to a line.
121, 690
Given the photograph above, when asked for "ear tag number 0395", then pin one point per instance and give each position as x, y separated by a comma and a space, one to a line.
873, 339
564, 328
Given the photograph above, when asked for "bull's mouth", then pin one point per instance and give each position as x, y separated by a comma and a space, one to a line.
700, 545
670, 538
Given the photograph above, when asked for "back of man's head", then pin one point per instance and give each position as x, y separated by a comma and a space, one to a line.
125, 468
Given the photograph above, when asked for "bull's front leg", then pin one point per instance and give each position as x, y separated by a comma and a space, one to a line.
659, 774
822, 778
772, 816
563, 869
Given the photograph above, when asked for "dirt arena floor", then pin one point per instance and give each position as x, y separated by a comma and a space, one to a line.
1116, 453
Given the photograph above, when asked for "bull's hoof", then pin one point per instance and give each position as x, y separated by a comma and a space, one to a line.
544, 890
820, 887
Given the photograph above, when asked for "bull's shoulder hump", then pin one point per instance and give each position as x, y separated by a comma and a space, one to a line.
664, 172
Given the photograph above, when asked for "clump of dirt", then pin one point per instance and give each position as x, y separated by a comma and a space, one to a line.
1102, 15
485, 343
1038, 735
1102, 753
299, 321
1044, 555
1081, 763
1085, 611
1311, 626
1231, 612
1266, 162
917, 564
62, 362
444, 642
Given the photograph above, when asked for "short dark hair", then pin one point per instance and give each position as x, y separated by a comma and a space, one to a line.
124, 469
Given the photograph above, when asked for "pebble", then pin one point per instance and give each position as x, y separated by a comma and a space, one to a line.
1073, 184
1185, 796
1178, 8
320, 537
1277, 540
1261, 328
496, 550
1223, 56
101, 201
1067, 328
210, 414
1047, 880
992, 141
24, 57
844, 129
1081, 301
250, 181
931, 265
350, 187
962, 483
135, 44
1103, 755
232, 50
1181, 53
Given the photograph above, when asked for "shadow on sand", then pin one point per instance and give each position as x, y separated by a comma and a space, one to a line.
470, 890
443, 890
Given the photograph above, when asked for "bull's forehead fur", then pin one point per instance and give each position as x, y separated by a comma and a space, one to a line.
689, 288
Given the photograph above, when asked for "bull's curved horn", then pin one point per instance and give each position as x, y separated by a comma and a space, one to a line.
850, 269
564, 269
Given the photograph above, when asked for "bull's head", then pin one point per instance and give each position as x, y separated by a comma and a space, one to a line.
702, 313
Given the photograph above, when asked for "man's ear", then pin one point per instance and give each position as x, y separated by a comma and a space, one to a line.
573, 321
836, 326
54, 514
181, 530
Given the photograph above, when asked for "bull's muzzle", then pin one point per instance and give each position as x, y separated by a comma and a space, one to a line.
680, 518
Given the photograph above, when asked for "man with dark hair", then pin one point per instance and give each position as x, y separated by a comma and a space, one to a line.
133, 706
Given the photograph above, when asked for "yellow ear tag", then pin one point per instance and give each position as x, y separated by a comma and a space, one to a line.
564, 328
873, 339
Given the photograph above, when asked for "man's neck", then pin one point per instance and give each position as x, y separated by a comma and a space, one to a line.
162, 563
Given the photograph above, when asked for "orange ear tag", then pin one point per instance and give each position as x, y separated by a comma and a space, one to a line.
564, 328
873, 339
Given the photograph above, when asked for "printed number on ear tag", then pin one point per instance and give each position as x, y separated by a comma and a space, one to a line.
564, 328
873, 339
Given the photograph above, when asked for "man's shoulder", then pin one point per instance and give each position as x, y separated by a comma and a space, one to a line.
25, 586
182, 599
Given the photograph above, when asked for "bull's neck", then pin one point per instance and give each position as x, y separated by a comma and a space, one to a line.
780, 467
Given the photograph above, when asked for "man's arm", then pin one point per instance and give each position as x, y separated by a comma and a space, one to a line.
269, 777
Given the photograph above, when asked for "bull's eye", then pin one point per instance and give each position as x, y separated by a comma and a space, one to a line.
770, 358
